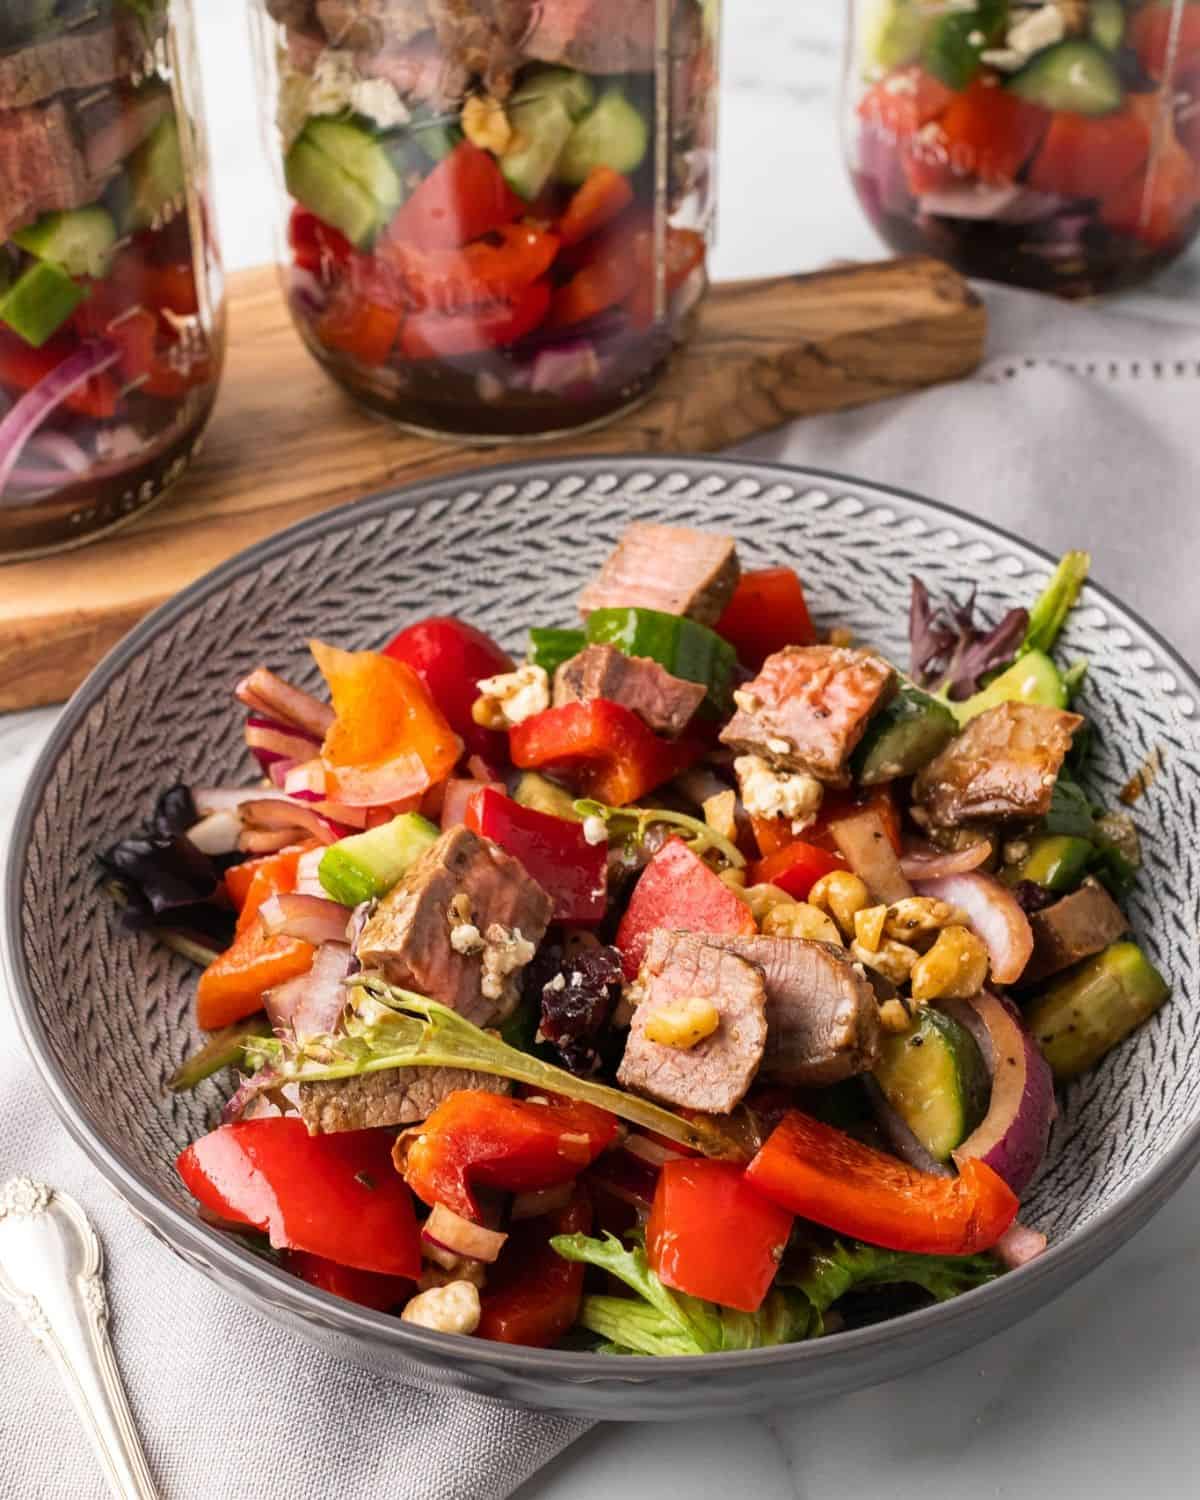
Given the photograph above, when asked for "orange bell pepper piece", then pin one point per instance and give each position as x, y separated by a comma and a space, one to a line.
821, 1174
239, 878
605, 194
388, 741
1090, 156
234, 984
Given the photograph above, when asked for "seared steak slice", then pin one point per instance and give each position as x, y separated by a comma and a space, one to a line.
595, 36
42, 166
808, 707
670, 568
82, 58
1075, 927
452, 926
420, 72
295, 14
1003, 765
822, 1015
370, 25
714, 1075
112, 125
397, 1096
663, 702
484, 37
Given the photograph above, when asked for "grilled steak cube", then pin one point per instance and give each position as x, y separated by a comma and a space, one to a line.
595, 36
822, 1015
713, 1075
1003, 765
669, 568
42, 166
1075, 927
808, 707
369, 25
663, 702
399, 1096
86, 57
459, 925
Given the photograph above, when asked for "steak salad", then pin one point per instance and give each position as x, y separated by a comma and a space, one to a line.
699, 983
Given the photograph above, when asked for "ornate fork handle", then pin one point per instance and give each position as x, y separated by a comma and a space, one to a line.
50, 1269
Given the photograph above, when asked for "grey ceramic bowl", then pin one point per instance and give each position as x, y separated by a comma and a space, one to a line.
107, 1014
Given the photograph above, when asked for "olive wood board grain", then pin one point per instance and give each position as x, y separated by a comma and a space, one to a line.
285, 443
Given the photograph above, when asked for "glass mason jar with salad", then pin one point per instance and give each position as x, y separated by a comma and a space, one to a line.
497, 210
1053, 145
111, 312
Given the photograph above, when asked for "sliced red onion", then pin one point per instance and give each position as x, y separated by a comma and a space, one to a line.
480, 770
546, 1201
925, 862
217, 833
312, 919
562, 369
994, 914
1010, 204
379, 786
307, 881
36, 405
274, 698
278, 742
211, 799
901, 1139
278, 770
60, 449
267, 840
1018, 1245
281, 812
654, 1153
866, 848
306, 781
459, 791
446, 1230
1012, 1137
312, 1004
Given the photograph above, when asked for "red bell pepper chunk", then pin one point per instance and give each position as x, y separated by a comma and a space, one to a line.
767, 612
462, 199
451, 658
795, 868
678, 890
476, 277
824, 1175
604, 196
609, 276
685, 251
333, 1195
902, 102
477, 1140
21, 368
985, 134
553, 850
316, 246
711, 1235
603, 746
1090, 156
436, 335
1156, 205
532, 1294
354, 325
367, 1288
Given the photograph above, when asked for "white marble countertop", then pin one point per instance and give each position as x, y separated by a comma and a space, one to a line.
1096, 1395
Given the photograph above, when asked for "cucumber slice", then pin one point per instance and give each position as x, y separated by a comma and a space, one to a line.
367, 865
1032, 679
955, 42
358, 152
542, 112
903, 737
935, 1078
893, 34
40, 301
80, 241
685, 648
1073, 75
156, 176
1088, 1011
1057, 862
313, 180
613, 135
545, 796
550, 648
1106, 24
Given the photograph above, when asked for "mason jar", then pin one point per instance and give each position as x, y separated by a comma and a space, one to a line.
495, 213
111, 300
1053, 145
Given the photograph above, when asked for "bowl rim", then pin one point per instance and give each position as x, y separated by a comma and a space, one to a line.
983, 1311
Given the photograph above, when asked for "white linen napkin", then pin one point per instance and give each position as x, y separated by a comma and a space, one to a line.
1080, 431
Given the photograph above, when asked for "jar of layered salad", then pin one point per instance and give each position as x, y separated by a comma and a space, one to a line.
111, 312
496, 211
1053, 145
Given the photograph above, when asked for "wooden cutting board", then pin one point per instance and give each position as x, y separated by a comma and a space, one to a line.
286, 444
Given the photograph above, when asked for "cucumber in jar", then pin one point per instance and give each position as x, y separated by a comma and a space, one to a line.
39, 302
1106, 24
156, 176
343, 173
614, 134
80, 240
893, 33
1074, 75
543, 114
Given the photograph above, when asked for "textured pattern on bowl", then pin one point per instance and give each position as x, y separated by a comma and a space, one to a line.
107, 1013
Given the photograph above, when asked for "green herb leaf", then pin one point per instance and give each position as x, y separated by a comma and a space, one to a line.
1054, 604
632, 824
224, 1049
829, 1272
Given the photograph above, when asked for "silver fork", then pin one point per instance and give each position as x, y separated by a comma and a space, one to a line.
51, 1270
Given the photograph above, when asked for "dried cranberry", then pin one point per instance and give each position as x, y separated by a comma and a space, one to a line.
1031, 897
576, 993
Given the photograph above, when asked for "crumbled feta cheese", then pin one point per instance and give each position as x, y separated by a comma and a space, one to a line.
595, 830
747, 701
466, 939
504, 953
512, 697
976, 38
559, 982
449, 1309
901, 83
779, 747
1031, 31
768, 793
334, 87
